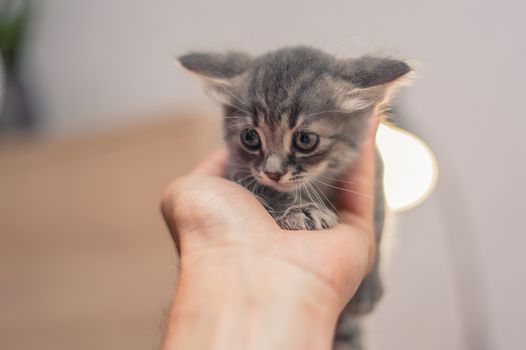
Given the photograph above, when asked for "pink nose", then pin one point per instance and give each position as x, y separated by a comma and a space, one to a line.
274, 175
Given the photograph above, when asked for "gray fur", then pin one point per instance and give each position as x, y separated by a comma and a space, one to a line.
222, 66
281, 96
369, 71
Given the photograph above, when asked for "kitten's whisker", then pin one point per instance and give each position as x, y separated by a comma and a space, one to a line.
321, 201
336, 211
315, 193
301, 196
297, 194
236, 163
236, 97
238, 122
235, 117
246, 181
344, 189
265, 204
237, 126
240, 181
238, 108
327, 111
337, 180
236, 172
255, 187
308, 193
250, 185
242, 166
233, 129
239, 171
294, 196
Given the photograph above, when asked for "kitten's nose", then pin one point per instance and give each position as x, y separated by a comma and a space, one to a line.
274, 175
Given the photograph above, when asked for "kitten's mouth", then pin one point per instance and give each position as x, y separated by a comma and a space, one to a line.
279, 186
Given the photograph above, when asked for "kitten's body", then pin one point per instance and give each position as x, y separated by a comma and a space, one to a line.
294, 121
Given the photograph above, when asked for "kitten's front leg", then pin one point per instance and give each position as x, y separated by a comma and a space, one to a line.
307, 217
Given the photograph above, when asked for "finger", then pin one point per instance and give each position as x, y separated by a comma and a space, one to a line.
359, 182
214, 165
357, 203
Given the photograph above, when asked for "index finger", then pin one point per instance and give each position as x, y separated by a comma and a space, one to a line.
358, 196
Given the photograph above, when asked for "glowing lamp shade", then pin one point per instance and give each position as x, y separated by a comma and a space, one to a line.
410, 167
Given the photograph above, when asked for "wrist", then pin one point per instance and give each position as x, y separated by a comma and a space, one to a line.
290, 309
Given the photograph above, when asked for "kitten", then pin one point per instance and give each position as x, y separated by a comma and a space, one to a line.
294, 120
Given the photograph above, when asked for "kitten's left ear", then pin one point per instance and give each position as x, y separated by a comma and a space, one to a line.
369, 71
371, 81
217, 70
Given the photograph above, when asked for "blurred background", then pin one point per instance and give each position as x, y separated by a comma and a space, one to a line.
96, 118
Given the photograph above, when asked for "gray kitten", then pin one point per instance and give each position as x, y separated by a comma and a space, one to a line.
294, 120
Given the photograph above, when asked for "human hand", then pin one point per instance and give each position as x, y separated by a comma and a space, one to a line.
231, 248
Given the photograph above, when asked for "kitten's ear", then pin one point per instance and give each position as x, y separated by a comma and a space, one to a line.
369, 71
371, 81
217, 70
216, 66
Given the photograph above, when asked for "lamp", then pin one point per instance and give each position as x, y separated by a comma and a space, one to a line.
410, 168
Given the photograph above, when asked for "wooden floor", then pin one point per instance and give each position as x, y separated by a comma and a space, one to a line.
85, 259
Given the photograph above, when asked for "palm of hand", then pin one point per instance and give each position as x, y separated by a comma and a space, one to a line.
220, 222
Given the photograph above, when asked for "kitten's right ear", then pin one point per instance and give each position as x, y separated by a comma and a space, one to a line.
217, 70
216, 66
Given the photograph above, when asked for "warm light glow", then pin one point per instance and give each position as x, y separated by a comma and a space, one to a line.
410, 167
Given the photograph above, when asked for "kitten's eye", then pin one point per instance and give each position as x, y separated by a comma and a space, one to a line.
250, 138
305, 141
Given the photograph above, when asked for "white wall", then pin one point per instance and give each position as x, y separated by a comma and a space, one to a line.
102, 63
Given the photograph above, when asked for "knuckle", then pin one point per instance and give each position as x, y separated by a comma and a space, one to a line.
174, 193
176, 188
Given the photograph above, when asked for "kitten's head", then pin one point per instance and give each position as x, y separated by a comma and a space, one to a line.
296, 114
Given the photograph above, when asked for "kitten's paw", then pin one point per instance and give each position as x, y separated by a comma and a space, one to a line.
308, 217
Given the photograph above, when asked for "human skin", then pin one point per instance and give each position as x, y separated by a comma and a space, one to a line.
245, 283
